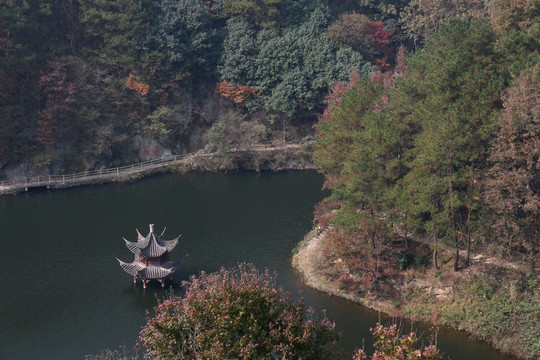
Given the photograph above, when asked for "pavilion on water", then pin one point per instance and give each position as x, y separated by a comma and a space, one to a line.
151, 257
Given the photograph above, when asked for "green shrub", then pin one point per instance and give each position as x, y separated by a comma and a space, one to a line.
403, 260
422, 260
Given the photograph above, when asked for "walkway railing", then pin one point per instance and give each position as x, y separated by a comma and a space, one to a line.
89, 176
9, 186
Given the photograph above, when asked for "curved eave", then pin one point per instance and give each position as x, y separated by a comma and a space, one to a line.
142, 241
133, 247
131, 268
155, 272
171, 244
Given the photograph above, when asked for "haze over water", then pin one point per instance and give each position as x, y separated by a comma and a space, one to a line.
63, 294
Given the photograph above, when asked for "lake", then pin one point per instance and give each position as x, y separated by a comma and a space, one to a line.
63, 294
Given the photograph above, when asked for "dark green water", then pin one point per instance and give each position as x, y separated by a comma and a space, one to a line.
63, 295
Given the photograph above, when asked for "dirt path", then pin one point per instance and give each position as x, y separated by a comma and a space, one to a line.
478, 257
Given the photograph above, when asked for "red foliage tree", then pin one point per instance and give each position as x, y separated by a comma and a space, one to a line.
380, 40
356, 31
59, 93
336, 95
132, 84
513, 185
237, 93
387, 79
236, 314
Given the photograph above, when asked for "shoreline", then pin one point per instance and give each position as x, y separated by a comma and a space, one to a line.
308, 251
296, 156
431, 295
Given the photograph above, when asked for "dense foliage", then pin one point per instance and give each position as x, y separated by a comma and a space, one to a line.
240, 313
79, 80
443, 147
410, 149
236, 314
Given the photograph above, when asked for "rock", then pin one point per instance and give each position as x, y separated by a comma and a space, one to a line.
22, 170
148, 149
3, 162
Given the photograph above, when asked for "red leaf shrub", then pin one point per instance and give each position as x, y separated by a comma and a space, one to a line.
132, 84
236, 93
236, 314
391, 345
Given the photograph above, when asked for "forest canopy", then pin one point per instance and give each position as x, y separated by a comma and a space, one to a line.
78, 78
443, 145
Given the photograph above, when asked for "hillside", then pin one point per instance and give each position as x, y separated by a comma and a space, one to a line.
443, 147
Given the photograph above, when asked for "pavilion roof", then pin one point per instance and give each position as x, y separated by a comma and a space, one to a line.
149, 272
151, 245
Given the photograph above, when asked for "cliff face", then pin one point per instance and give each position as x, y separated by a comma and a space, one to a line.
190, 118
182, 127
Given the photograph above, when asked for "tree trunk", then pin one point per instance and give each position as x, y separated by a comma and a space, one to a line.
532, 248
452, 211
531, 254
468, 236
435, 264
373, 247
456, 258
471, 185
406, 237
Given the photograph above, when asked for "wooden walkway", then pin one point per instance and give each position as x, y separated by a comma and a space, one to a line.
112, 174
87, 177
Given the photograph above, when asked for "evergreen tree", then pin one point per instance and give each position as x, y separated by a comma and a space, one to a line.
240, 49
292, 69
456, 84
183, 29
110, 28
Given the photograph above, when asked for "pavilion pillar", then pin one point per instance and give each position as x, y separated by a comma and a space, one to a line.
144, 283
162, 282
134, 279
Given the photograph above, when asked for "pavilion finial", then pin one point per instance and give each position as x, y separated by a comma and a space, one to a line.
151, 227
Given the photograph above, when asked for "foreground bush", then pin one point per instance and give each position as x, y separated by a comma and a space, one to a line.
389, 344
236, 314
